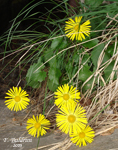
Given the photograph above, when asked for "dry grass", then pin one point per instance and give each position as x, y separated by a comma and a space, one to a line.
102, 110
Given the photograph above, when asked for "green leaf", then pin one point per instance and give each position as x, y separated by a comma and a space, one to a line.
41, 76
106, 57
110, 50
75, 57
108, 71
56, 42
88, 84
53, 62
91, 43
84, 73
70, 69
37, 76
85, 58
52, 86
63, 44
48, 54
34, 84
54, 75
93, 3
95, 54
56, 45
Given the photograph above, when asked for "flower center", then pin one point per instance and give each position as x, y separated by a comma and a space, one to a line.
17, 98
37, 125
76, 28
66, 97
82, 135
71, 118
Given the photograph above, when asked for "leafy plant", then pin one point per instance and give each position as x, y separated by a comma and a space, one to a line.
35, 78
52, 58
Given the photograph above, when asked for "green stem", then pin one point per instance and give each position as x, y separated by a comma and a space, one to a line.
99, 112
39, 139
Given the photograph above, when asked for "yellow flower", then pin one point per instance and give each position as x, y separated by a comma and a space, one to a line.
84, 136
66, 95
74, 29
37, 125
71, 118
17, 99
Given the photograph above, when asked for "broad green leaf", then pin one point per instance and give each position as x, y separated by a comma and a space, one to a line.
106, 57
34, 84
56, 46
96, 53
56, 42
88, 84
71, 68
41, 76
110, 50
75, 57
63, 44
90, 44
86, 58
53, 62
37, 76
48, 54
54, 75
56, 62
84, 73
108, 71
52, 86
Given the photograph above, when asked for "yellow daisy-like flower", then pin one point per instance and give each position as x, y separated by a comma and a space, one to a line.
71, 118
74, 29
84, 136
37, 125
65, 95
17, 99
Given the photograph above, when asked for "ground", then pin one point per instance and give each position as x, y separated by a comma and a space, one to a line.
12, 128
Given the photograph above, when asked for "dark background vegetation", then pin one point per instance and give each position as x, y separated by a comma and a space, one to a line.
9, 9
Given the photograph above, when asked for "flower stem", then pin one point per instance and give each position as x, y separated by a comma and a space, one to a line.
39, 139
